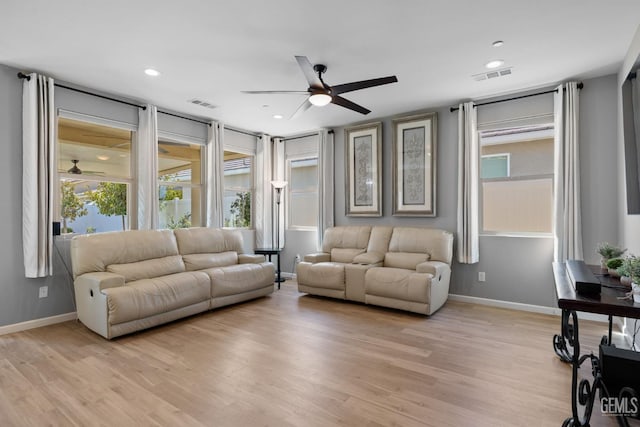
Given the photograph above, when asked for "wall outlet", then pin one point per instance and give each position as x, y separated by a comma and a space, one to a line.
297, 258
43, 292
481, 276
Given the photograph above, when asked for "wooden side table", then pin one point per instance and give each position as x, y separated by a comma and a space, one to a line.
268, 252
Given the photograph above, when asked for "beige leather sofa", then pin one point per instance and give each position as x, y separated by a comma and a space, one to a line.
131, 280
407, 268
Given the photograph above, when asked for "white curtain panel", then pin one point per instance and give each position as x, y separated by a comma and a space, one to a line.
468, 173
325, 183
262, 197
279, 175
215, 175
567, 219
147, 166
38, 174
635, 99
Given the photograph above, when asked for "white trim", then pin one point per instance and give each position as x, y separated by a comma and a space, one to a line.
524, 307
81, 117
37, 323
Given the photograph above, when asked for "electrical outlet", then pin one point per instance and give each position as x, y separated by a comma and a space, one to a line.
481, 276
297, 258
43, 292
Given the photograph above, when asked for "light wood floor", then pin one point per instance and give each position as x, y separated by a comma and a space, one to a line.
296, 360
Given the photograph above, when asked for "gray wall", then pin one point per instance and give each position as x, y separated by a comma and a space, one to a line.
518, 269
19, 300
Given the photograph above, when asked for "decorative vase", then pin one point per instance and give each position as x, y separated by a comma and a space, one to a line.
636, 292
603, 263
613, 272
625, 280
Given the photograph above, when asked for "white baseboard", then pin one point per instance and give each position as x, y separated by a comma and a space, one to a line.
37, 323
525, 307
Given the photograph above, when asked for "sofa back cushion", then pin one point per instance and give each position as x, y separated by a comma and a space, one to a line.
149, 268
347, 237
406, 260
201, 261
345, 255
380, 237
438, 244
203, 240
95, 252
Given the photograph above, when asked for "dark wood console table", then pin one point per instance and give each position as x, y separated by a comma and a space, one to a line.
567, 345
268, 252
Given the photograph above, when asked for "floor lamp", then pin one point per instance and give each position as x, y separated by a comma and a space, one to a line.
278, 186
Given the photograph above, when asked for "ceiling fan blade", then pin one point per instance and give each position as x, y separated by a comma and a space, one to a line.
349, 87
284, 92
309, 73
338, 100
302, 108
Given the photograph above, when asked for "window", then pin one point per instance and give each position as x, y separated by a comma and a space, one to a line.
303, 193
238, 189
94, 170
179, 184
516, 178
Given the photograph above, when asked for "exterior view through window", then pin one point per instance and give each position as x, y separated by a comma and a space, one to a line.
238, 189
94, 170
516, 179
179, 184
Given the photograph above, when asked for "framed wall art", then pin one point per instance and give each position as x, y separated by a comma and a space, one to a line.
363, 162
414, 165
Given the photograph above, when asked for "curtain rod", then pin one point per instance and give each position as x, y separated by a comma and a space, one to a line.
24, 76
244, 132
452, 109
184, 117
330, 131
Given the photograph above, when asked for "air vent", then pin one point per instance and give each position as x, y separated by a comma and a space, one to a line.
492, 74
202, 103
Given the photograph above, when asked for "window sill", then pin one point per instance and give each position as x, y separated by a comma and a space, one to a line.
519, 235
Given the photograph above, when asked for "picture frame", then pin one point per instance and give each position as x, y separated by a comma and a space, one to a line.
414, 165
363, 163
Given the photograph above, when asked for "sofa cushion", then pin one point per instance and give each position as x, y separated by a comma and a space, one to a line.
201, 261
94, 252
345, 255
437, 243
398, 283
148, 297
404, 260
236, 279
329, 275
148, 269
345, 237
202, 240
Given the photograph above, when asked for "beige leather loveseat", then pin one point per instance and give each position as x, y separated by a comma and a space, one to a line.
131, 280
407, 268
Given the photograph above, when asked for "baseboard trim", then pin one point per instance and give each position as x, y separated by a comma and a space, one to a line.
554, 311
37, 323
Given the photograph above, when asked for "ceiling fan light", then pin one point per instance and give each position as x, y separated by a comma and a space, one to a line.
320, 99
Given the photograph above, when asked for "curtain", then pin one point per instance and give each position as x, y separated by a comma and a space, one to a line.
278, 174
262, 197
635, 100
215, 175
468, 171
147, 165
38, 174
567, 221
325, 183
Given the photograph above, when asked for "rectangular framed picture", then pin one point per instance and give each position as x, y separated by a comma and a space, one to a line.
363, 160
414, 165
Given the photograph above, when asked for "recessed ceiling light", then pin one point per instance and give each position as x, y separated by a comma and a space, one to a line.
152, 72
277, 116
102, 157
497, 43
494, 64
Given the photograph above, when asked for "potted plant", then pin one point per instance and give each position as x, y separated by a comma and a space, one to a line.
631, 267
612, 265
608, 251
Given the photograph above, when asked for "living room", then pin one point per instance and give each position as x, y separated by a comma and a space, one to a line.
516, 268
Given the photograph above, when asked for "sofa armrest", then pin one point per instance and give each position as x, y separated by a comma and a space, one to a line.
318, 257
369, 258
436, 268
250, 259
98, 281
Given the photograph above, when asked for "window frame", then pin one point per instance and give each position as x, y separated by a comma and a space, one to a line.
296, 158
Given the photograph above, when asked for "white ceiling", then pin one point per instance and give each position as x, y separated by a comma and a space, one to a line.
213, 50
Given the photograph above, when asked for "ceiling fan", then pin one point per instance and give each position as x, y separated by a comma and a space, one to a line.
75, 170
321, 94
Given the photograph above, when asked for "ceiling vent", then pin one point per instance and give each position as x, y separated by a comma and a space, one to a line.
202, 103
492, 74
